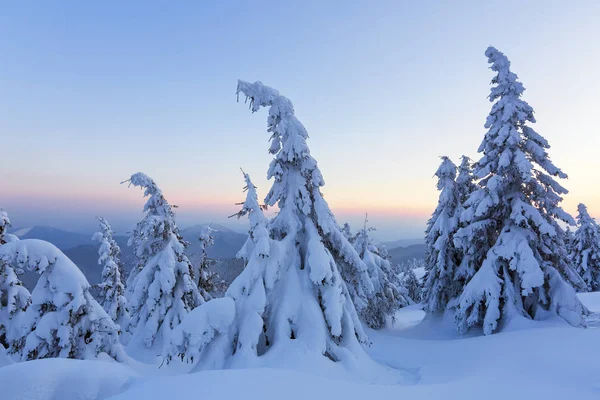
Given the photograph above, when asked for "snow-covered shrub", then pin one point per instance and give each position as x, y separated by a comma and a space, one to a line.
162, 291
585, 249
442, 258
63, 320
199, 328
111, 289
389, 294
510, 239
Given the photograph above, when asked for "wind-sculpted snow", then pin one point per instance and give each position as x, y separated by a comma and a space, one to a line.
562, 363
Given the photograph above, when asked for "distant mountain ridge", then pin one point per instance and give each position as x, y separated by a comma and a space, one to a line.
401, 255
403, 243
83, 251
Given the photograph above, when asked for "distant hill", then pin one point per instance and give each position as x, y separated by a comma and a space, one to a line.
83, 251
61, 239
227, 242
403, 254
403, 243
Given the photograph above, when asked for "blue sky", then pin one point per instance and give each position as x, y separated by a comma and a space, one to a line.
94, 91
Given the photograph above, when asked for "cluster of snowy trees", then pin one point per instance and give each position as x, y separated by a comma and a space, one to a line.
495, 248
306, 280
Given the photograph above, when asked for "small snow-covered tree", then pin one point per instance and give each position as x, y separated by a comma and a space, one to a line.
245, 337
510, 235
465, 181
442, 258
410, 281
388, 295
569, 240
163, 291
585, 246
63, 320
291, 294
4, 225
112, 290
203, 278
14, 297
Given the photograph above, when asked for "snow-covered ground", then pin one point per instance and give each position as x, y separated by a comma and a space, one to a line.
527, 360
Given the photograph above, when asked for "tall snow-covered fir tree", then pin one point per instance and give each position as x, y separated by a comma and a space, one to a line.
111, 289
442, 258
291, 294
511, 239
389, 294
163, 291
63, 320
585, 249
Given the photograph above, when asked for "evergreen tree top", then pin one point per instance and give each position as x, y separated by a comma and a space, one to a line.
506, 81
446, 170
583, 216
288, 144
511, 149
156, 204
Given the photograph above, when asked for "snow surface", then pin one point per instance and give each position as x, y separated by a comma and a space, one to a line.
64, 379
527, 360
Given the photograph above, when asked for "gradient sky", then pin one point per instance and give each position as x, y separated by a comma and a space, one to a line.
91, 92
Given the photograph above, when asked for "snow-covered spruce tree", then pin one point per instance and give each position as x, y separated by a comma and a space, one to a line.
63, 320
511, 236
112, 289
442, 258
389, 295
291, 299
585, 252
203, 278
163, 291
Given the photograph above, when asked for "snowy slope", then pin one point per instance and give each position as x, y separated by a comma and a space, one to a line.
541, 360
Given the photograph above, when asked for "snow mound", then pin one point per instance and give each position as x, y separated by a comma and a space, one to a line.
64, 379
4, 358
201, 325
